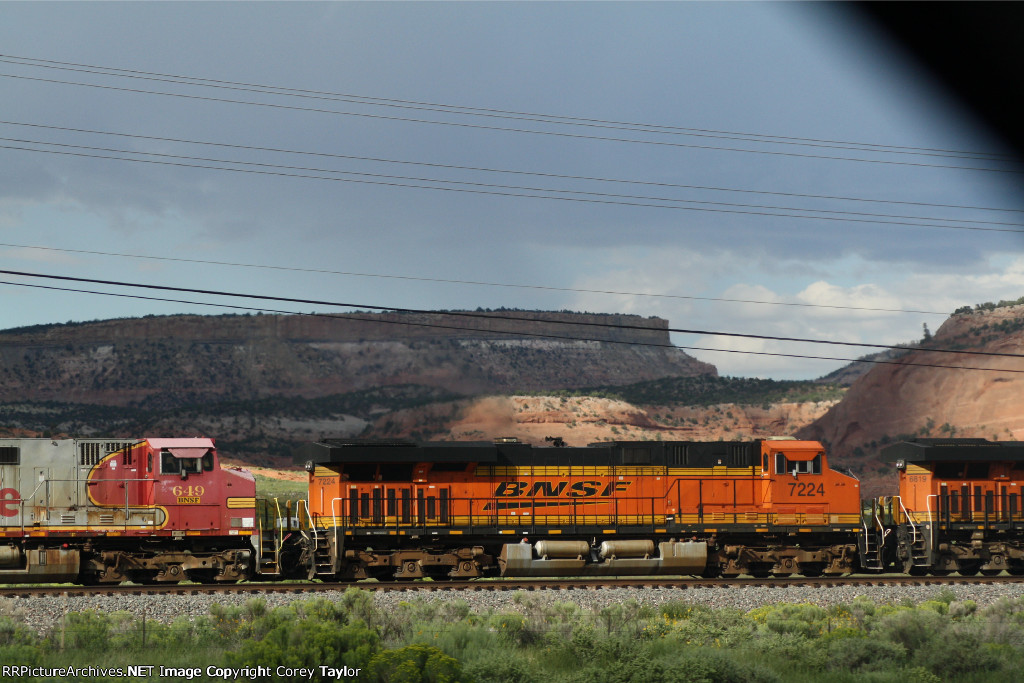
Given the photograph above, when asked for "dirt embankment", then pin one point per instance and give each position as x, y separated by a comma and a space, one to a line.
582, 420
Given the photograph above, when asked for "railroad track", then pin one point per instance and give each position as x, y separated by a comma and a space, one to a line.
502, 585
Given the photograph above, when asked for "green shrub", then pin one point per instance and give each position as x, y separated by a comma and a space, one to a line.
504, 666
867, 654
912, 628
308, 642
21, 654
87, 631
414, 664
959, 652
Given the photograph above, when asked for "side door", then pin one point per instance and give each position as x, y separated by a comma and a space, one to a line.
433, 505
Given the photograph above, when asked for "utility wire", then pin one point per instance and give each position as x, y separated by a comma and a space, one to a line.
510, 129
836, 212
512, 172
491, 112
611, 199
464, 282
348, 317
493, 316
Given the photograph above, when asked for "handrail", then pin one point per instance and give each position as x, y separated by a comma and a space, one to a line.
304, 504
277, 542
932, 523
913, 526
335, 520
643, 512
878, 521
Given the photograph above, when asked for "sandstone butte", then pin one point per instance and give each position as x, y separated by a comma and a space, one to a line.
900, 400
188, 359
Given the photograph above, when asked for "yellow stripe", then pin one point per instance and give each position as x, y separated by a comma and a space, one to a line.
490, 520
576, 471
710, 471
608, 471
632, 471
718, 518
238, 503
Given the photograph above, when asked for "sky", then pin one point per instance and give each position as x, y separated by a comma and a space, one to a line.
772, 169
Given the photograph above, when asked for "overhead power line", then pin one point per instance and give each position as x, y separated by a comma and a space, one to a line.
801, 195
838, 212
350, 317
491, 112
492, 316
493, 188
507, 129
467, 282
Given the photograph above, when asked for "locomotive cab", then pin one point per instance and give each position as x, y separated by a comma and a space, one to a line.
800, 487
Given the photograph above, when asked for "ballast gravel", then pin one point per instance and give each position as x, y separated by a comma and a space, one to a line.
43, 613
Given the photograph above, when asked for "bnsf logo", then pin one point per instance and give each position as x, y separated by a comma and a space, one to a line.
581, 489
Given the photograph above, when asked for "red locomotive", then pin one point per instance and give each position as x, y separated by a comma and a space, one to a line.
103, 510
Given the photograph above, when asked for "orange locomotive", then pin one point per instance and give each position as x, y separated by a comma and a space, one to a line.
402, 510
960, 508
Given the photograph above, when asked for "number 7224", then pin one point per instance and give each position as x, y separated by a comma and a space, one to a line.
806, 488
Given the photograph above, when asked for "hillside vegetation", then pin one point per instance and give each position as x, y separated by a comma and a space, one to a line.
264, 431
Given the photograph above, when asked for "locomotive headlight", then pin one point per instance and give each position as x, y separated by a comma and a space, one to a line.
310, 466
901, 464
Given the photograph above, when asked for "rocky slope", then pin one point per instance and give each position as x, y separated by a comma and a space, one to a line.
911, 397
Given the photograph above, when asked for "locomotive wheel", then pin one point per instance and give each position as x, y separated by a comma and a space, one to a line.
969, 568
991, 572
88, 579
711, 572
206, 576
438, 573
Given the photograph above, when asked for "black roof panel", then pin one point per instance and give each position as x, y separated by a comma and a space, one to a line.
948, 450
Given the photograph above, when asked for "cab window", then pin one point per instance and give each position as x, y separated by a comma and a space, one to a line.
784, 465
172, 465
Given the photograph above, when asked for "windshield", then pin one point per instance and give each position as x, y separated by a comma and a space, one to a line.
169, 464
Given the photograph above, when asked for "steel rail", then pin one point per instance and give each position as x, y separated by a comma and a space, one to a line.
476, 585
